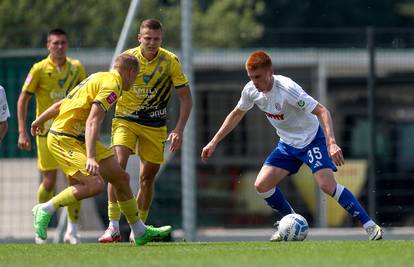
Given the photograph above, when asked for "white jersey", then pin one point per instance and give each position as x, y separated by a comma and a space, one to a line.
288, 108
4, 108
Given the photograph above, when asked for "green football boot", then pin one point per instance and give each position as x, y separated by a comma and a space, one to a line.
152, 233
41, 221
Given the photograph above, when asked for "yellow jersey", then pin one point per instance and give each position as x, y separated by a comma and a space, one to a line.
103, 88
50, 85
146, 102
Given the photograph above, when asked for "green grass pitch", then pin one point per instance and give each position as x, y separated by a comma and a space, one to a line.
224, 254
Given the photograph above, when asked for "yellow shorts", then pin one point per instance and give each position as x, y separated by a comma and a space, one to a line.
147, 142
45, 160
70, 153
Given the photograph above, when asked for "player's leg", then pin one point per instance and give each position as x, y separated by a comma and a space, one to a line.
147, 175
70, 155
277, 165
124, 141
48, 164
46, 188
111, 169
266, 186
348, 201
151, 153
48, 168
71, 236
88, 186
112, 233
316, 156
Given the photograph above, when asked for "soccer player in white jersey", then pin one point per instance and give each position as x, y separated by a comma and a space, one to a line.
4, 113
306, 136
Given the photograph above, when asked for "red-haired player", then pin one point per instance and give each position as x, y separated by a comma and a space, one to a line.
306, 136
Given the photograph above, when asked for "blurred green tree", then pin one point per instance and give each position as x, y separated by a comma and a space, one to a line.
219, 23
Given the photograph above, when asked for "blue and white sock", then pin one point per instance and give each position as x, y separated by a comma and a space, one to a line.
348, 201
275, 199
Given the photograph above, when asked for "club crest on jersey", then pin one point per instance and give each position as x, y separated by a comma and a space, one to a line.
146, 78
111, 98
61, 82
278, 107
301, 103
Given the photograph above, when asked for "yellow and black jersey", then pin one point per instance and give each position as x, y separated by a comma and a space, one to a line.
146, 102
103, 88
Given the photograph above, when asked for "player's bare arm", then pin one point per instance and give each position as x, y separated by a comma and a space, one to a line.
92, 130
24, 140
186, 103
231, 121
325, 119
51, 112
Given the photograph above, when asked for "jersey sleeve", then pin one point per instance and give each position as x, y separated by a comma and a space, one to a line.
177, 75
298, 98
4, 108
32, 79
245, 102
82, 73
108, 95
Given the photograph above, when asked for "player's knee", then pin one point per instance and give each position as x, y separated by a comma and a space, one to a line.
122, 180
260, 187
327, 187
96, 186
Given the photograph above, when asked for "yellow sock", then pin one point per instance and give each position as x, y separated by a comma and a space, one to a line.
143, 214
64, 198
114, 213
43, 195
130, 209
73, 212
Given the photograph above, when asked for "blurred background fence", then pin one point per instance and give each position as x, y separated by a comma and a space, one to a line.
333, 65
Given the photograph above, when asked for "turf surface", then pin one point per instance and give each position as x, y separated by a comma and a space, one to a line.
225, 254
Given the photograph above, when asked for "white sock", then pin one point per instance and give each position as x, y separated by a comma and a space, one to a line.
368, 224
72, 228
48, 207
138, 228
114, 224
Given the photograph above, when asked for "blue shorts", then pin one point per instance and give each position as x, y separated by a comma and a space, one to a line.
315, 155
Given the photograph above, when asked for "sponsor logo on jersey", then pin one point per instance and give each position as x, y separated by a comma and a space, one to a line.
279, 117
111, 98
57, 95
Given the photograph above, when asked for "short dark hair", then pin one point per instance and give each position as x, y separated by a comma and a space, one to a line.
56, 31
152, 24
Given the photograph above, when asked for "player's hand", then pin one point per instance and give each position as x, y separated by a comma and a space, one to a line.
92, 166
207, 151
336, 154
36, 128
24, 142
176, 139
